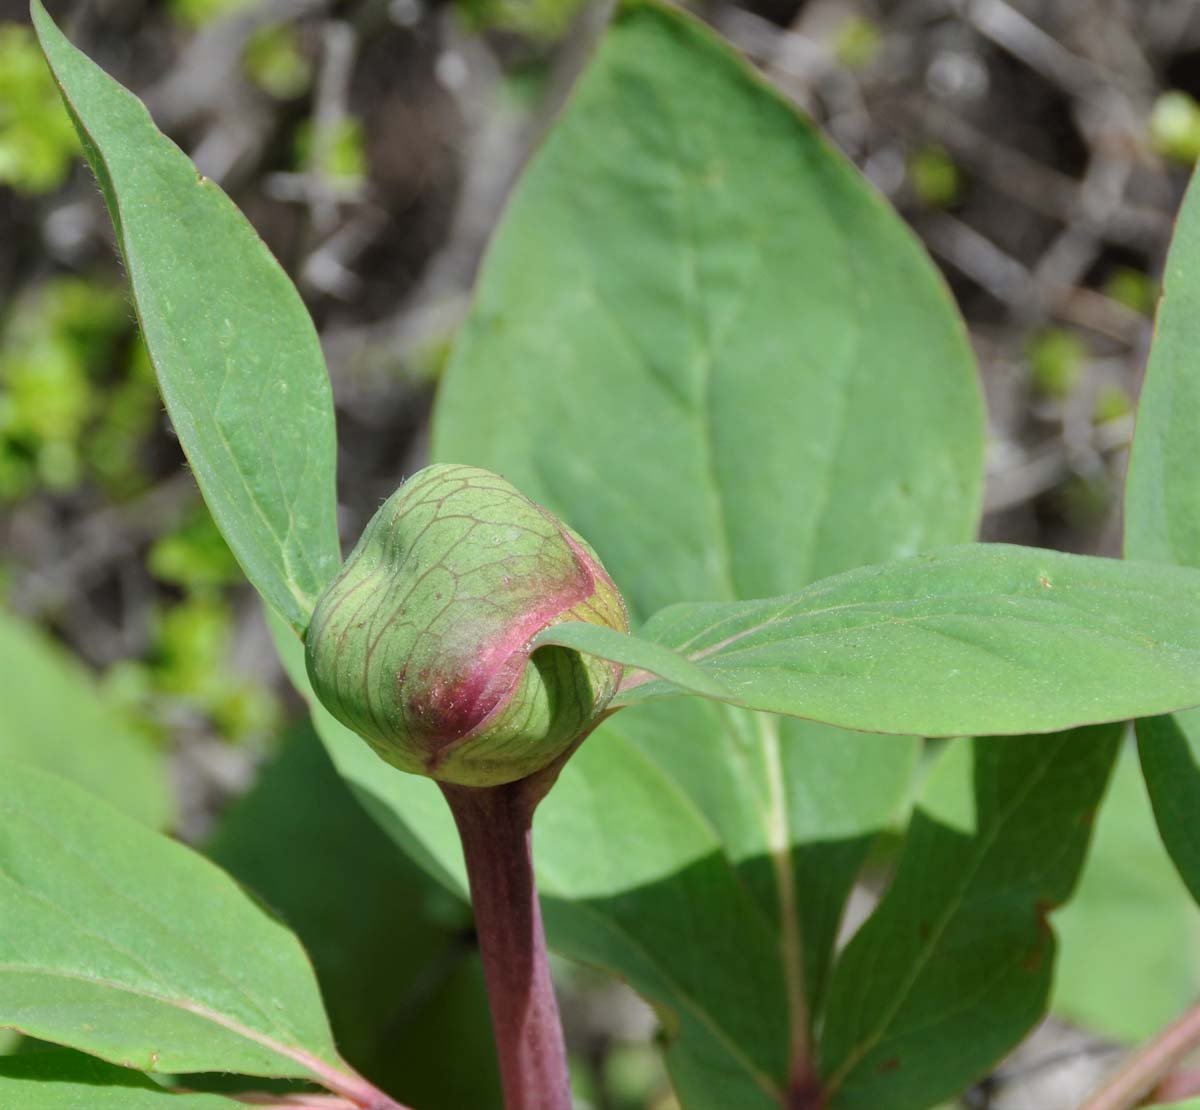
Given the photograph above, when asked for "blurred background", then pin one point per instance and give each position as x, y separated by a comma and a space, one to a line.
1038, 147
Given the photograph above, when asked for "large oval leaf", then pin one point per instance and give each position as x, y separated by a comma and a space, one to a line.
700, 334
238, 360
701, 338
129, 946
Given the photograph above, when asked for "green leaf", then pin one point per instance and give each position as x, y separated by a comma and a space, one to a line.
1169, 748
710, 340
1162, 520
984, 638
56, 719
625, 860
400, 971
131, 947
61, 1080
1162, 493
956, 963
632, 651
1129, 900
723, 359
237, 357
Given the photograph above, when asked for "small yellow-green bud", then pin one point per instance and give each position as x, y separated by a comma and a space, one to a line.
421, 644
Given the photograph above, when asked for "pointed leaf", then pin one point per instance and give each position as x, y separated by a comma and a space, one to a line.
984, 638
955, 965
237, 357
724, 359
711, 341
55, 718
131, 947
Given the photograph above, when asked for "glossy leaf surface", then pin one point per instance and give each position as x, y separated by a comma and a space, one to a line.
129, 946
54, 717
238, 360
956, 963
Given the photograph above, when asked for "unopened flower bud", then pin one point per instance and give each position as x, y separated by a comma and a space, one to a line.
421, 644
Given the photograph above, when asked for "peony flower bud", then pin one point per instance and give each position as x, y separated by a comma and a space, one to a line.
421, 644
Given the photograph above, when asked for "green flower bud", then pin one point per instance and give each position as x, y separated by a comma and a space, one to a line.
421, 645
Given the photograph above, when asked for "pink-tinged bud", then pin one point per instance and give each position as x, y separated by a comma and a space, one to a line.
421, 645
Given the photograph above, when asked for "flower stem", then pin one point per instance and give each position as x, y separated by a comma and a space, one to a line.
1149, 1065
494, 824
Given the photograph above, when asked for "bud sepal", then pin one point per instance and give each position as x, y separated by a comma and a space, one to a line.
422, 644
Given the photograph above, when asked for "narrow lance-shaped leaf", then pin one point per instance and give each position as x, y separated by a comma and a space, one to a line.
238, 360
955, 965
1162, 519
972, 640
129, 946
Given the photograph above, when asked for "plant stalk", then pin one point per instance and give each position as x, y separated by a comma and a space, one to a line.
495, 826
1149, 1065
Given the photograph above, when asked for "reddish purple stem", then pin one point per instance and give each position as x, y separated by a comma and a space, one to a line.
495, 825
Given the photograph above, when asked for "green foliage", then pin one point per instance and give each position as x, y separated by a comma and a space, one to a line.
389, 944
1112, 403
858, 42
687, 275
957, 962
1056, 362
37, 141
934, 177
62, 1080
129, 946
56, 719
199, 13
978, 638
1175, 126
340, 155
1129, 901
222, 322
540, 20
194, 555
1132, 288
1162, 501
56, 424
276, 63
